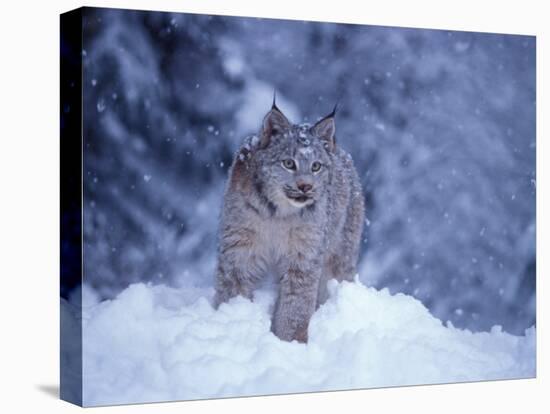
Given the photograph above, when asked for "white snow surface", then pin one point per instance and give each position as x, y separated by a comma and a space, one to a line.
155, 343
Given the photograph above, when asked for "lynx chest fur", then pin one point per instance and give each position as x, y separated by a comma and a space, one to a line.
293, 210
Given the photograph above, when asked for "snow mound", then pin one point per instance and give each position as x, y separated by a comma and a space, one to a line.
154, 343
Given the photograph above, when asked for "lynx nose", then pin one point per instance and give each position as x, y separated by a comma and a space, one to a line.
304, 187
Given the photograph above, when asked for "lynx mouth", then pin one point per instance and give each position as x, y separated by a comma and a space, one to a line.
299, 200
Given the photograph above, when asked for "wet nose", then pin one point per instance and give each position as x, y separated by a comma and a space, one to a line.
304, 187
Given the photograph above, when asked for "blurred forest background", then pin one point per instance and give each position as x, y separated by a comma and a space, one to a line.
441, 126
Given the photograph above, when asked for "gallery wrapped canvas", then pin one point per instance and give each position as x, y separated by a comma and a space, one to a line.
253, 206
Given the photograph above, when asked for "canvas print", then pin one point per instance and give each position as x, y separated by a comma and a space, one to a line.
254, 206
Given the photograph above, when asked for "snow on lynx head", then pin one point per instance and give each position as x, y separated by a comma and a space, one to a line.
293, 161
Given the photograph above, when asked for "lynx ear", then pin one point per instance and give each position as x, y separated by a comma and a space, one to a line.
274, 123
325, 129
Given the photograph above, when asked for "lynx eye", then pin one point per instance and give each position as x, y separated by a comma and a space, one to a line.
315, 166
289, 164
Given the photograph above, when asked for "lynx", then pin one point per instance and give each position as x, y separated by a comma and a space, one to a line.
293, 210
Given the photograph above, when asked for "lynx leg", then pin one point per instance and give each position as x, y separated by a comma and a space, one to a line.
342, 264
335, 267
295, 305
231, 283
322, 292
236, 273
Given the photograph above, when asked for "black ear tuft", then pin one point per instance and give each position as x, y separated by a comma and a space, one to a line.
275, 122
274, 105
325, 129
333, 113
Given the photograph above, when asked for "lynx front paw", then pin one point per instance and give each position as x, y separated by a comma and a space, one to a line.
301, 335
285, 333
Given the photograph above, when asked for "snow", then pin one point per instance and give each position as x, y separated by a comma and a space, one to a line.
155, 343
100, 105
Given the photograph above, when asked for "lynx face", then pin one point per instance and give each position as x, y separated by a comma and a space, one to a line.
294, 161
295, 167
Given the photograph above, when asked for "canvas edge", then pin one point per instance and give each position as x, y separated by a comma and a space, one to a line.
70, 127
